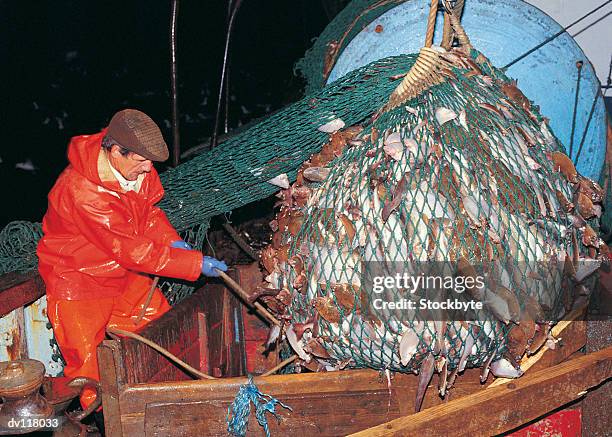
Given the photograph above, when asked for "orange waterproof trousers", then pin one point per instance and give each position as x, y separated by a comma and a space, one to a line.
80, 325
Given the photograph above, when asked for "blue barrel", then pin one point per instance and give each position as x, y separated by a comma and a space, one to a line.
503, 30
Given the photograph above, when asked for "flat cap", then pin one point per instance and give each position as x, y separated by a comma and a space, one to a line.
137, 132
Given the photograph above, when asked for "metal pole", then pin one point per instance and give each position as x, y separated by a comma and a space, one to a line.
176, 140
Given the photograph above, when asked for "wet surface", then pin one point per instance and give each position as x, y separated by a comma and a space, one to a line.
596, 419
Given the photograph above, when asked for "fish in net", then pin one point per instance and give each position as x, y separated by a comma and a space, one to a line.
459, 181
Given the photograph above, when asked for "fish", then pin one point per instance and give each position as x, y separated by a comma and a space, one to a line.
316, 174
268, 259
463, 120
532, 310
491, 108
300, 282
348, 227
590, 189
443, 376
565, 204
505, 111
503, 369
514, 307
444, 115
484, 371
548, 136
526, 135
332, 126
539, 338
468, 344
408, 344
394, 150
425, 373
295, 224
296, 344
590, 237
532, 163
326, 307
345, 295
472, 209
516, 95
517, 339
315, 347
499, 306
301, 328
563, 164
281, 181
392, 203
263, 290
585, 268
586, 208
273, 335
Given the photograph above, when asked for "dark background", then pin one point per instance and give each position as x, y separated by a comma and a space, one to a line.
68, 65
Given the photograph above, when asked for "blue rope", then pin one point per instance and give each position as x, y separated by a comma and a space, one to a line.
238, 413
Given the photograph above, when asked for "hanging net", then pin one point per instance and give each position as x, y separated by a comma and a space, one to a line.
236, 172
458, 181
320, 59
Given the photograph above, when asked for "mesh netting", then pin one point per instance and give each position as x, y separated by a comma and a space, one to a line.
464, 178
235, 173
18, 242
320, 59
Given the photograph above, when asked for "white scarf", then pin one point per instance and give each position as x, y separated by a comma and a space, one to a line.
123, 182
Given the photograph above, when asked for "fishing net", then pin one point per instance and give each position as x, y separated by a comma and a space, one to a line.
456, 179
18, 242
320, 59
236, 172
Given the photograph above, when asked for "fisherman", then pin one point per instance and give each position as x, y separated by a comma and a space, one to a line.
104, 237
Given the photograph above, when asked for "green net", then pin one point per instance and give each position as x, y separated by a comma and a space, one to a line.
18, 242
320, 59
462, 180
236, 172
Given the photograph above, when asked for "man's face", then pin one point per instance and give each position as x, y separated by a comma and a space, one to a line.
131, 165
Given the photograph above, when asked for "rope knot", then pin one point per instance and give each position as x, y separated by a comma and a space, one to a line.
238, 413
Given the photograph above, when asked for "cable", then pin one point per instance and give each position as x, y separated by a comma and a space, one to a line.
230, 25
556, 35
609, 79
161, 350
176, 139
586, 129
571, 146
115, 332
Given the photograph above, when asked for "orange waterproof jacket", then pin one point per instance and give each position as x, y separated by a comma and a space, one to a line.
95, 232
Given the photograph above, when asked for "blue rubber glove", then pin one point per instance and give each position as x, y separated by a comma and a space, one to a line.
209, 264
180, 244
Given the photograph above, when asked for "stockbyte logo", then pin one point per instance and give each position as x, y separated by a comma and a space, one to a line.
460, 291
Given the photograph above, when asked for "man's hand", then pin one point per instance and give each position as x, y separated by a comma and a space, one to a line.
180, 244
210, 264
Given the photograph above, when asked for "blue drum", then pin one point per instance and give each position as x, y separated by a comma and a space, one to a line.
504, 30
